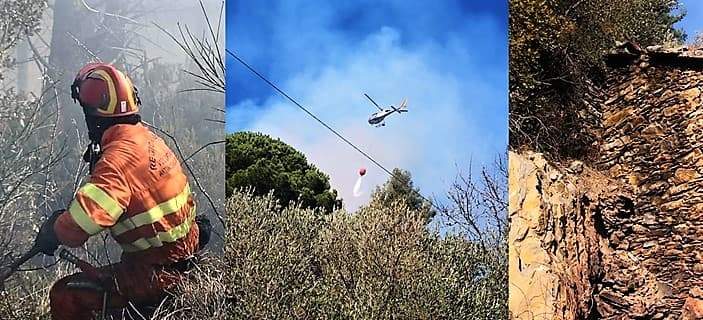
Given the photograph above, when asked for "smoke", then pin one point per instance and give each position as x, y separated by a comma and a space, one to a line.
450, 64
125, 33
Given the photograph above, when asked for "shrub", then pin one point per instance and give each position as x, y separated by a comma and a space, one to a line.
381, 262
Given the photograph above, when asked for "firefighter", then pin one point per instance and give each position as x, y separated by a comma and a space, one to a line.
137, 191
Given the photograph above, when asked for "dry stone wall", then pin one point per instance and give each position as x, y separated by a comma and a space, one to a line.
652, 144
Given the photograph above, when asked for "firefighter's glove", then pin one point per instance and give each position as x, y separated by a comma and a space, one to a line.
46, 239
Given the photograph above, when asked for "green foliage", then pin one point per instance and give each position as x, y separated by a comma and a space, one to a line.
255, 160
379, 263
400, 188
556, 52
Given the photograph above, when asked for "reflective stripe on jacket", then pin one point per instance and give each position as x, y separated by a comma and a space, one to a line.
138, 192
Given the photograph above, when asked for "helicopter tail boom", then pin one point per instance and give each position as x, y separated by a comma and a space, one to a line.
403, 107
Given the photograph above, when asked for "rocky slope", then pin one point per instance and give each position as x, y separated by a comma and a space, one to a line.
623, 239
555, 259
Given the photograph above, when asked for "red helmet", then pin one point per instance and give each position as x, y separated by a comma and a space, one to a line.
104, 91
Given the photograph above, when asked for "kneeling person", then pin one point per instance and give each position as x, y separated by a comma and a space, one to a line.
137, 190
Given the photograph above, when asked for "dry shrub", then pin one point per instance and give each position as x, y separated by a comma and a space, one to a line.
27, 294
381, 262
204, 296
270, 253
23, 302
697, 43
31, 149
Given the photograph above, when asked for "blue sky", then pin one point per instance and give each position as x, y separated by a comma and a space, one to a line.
449, 58
693, 22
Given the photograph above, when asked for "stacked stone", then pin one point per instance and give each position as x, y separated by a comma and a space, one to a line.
651, 142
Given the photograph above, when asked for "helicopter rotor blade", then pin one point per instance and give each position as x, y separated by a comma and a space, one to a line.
374, 102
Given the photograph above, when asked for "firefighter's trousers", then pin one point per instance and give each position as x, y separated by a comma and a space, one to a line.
141, 285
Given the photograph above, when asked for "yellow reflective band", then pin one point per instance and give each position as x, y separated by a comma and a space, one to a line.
82, 219
154, 214
169, 236
110, 205
111, 88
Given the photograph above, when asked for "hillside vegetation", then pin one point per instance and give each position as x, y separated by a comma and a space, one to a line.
378, 263
556, 64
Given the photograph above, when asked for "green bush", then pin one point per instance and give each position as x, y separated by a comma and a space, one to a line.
556, 56
380, 262
400, 187
264, 163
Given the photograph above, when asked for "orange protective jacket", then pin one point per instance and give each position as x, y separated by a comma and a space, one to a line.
139, 192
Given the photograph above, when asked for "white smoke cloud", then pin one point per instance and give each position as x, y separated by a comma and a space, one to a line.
446, 124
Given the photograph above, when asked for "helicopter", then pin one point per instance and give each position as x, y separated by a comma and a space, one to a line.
378, 117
